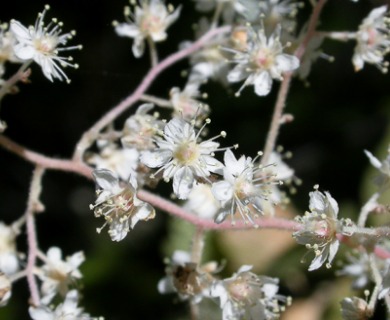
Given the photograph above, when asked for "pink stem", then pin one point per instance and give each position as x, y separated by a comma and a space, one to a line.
33, 199
43, 161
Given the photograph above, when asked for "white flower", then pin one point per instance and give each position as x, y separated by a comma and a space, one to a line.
150, 20
187, 278
182, 157
140, 128
185, 104
58, 274
240, 191
43, 44
248, 296
119, 205
67, 310
373, 41
9, 262
123, 162
319, 229
262, 61
279, 12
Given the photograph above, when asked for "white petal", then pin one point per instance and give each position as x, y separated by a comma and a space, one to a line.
155, 159
20, 31
373, 160
237, 74
286, 62
105, 179
138, 47
222, 191
262, 83
183, 181
127, 30
24, 52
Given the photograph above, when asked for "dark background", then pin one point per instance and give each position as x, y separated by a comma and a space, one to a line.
336, 118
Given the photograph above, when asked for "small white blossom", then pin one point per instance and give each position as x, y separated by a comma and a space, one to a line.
319, 229
182, 157
67, 310
9, 262
240, 191
262, 61
187, 278
140, 128
185, 104
58, 274
373, 41
119, 205
248, 296
43, 44
123, 162
150, 20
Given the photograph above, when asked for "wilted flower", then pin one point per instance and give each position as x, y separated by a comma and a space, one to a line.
187, 278
58, 274
248, 296
150, 20
43, 44
373, 41
319, 229
118, 203
182, 157
67, 310
261, 61
240, 191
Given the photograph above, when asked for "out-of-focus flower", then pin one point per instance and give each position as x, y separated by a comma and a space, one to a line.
67, 310
9, 262
383, 179
182, 157
262, 61
187, 278
248, 296
150, 20
373, 41
202, 202
185, 104
118, 203
140, 129
58, 274
43, 44
355, 308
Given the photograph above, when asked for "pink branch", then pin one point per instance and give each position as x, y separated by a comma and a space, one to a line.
43, 161
32, 204
89, 136
207, 224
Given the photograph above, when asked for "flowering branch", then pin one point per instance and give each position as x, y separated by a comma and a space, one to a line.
90, 135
